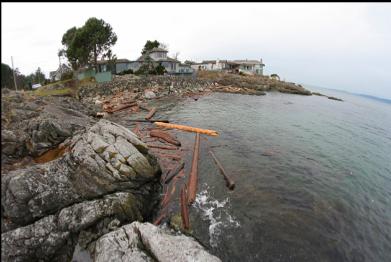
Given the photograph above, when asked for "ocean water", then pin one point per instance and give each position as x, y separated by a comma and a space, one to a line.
312, 175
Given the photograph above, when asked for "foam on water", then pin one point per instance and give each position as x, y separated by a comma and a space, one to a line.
216, 212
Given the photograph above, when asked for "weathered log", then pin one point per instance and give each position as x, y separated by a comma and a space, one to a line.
165, 174
174, 157
151, 113
149, 120
229, 183
144, 107
121, 107
169, 194
162, 147
174, 172
184, 209
159, 219
193, 177
188, 128
165, 136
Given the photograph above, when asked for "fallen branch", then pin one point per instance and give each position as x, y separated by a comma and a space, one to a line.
174, 172
229, 183
188, 128
165, 136
184, 209
193, 177
151, 113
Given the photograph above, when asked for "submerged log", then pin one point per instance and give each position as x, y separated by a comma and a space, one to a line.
188, 128
174, 172
165, 136
184, 209
229, 183
151, 113
193, 177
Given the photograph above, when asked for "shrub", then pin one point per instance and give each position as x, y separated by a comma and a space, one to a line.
125, 72
67, 75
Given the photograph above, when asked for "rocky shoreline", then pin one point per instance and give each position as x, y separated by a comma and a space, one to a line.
71, 179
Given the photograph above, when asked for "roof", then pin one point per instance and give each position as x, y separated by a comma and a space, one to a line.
246, 62
122, 60
184, 65
167, 59
209, 62
158, 49
213, 61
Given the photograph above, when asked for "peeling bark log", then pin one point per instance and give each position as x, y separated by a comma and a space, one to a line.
188, 128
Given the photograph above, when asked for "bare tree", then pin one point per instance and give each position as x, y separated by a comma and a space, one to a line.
163, 46
175, 55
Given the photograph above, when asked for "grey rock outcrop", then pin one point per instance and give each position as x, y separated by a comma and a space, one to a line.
33, 125
146, 242
107, 178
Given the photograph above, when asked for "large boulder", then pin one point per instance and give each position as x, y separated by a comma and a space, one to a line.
107, 178
146, 242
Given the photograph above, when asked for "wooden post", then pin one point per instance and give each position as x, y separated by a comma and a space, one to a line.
13, 71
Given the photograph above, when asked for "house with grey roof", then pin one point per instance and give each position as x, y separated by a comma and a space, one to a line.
159, 56
116, 67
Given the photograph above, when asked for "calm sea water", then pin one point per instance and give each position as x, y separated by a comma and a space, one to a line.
313, 177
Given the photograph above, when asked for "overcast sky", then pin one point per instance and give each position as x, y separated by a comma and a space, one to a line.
343, 46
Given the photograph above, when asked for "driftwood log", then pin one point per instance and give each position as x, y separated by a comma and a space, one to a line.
163, 147
165, 136
229, 183
174, 171
184, 209
151, 113
193, 177
188, 128
150, 120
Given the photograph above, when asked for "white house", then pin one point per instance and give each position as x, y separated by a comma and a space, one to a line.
236, 66
56, 75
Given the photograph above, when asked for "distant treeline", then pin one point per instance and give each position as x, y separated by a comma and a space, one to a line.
22, 81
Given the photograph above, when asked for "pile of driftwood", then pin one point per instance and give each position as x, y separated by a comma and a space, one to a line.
188, 190
169, 153
120, 101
